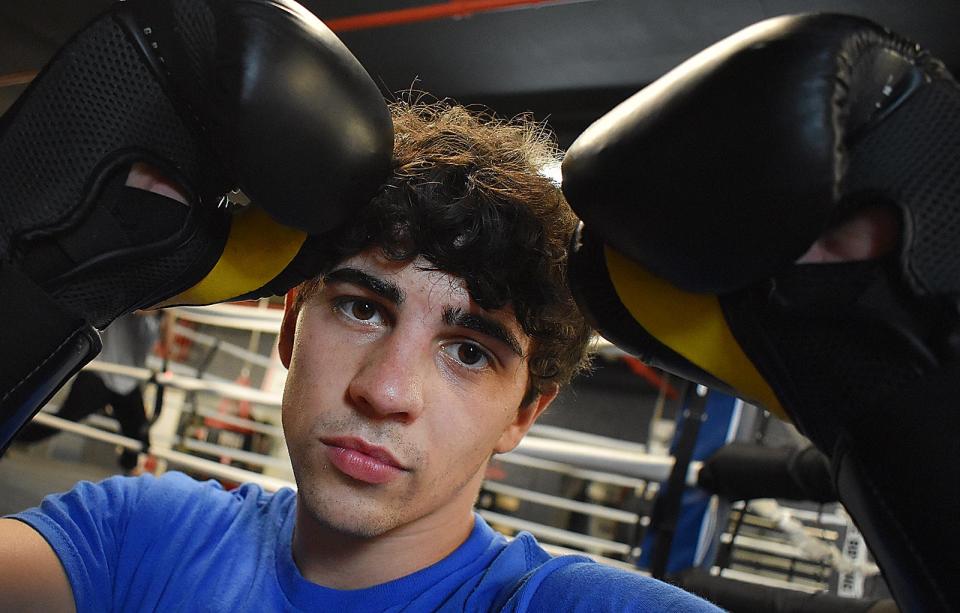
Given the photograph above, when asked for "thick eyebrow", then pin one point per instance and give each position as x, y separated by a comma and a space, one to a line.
384, 289
482, 324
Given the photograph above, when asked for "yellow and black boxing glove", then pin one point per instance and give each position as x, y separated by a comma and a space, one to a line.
200, 97
702, 199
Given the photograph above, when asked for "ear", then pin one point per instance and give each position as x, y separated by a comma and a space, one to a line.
525, 418
288, 327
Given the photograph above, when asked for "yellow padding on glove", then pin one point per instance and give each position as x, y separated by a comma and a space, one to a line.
257, 250
692, 325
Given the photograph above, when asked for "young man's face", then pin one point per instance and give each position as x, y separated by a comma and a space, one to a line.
400, 388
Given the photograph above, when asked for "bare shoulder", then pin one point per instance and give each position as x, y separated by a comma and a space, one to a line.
31, 576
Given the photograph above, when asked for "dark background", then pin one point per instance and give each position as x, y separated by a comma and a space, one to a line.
566, 61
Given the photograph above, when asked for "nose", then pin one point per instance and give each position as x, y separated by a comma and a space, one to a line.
389, 381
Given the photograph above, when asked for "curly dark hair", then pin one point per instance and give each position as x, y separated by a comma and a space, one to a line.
468, 195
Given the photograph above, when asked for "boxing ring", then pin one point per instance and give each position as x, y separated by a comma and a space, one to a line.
761, 543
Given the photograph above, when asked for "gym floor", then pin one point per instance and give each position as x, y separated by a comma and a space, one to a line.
29, 474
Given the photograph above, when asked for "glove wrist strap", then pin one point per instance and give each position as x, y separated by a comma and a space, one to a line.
42, 345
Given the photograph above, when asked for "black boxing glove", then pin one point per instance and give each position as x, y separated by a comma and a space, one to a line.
253, 97
703, 195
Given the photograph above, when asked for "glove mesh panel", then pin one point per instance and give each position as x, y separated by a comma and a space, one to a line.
97, 97
108, 291
196, 27
913, 157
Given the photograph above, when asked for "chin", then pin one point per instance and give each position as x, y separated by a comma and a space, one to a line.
353, 517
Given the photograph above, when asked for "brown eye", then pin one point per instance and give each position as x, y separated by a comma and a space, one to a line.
367, 312
470, 355
363, 310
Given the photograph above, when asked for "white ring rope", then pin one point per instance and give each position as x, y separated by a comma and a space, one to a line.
618, 461
233, 316
176, 458
556, 535
238, 474
575, 436
804, 545
519, 459
628, 463
559, 502
811, 547
229, 348
233, 391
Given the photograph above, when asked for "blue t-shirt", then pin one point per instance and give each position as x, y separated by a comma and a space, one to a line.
175, 544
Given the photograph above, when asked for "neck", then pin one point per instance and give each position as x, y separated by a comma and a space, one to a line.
348, 562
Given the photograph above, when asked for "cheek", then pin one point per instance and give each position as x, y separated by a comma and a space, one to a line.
291, 413
309, 379
316, 354
472, 431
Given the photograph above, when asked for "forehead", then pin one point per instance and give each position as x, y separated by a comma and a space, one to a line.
409, 275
